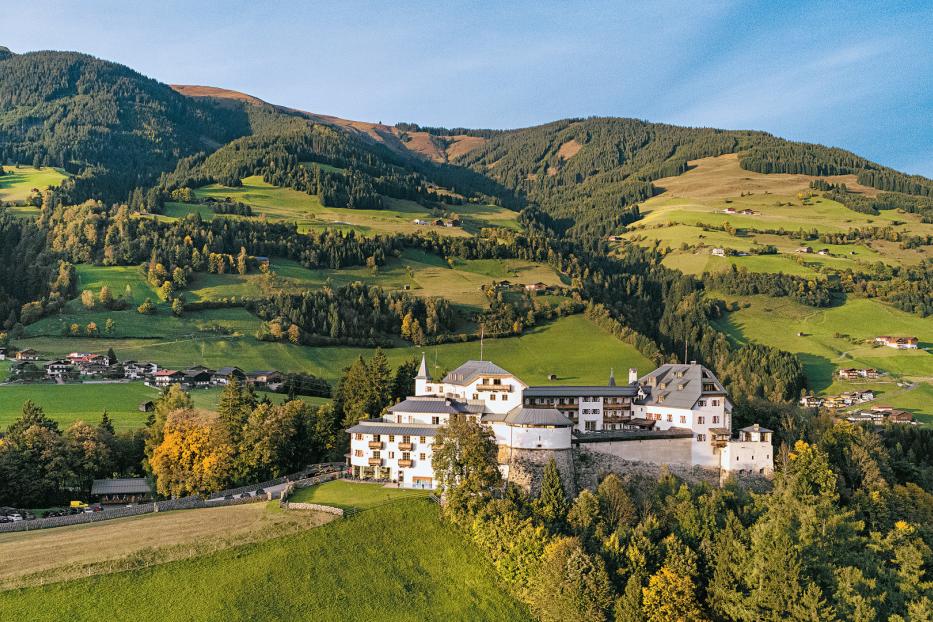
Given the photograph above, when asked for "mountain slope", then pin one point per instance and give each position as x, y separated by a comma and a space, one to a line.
102, 121
418, 142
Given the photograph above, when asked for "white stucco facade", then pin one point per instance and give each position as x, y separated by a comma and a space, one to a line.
677, 414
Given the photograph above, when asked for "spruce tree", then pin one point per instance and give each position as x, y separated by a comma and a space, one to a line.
106, 423
552, 504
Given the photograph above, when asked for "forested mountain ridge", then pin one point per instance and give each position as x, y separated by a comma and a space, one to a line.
112, 127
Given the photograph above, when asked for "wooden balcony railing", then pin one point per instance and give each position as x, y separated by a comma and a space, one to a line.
406, 446
375, 444
507, 388
405, 463
375, 462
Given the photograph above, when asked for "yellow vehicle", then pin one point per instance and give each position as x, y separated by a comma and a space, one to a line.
78, 504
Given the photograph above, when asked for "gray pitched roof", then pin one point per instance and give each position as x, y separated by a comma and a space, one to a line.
434, 405
522, 415
471, 369
574, 391
679, 386
125, 486
386, 427
755, 428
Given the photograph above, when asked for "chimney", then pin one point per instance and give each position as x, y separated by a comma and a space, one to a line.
632, 375
612, 377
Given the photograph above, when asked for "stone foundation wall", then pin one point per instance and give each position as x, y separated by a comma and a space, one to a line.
526, 468
582, 468
591, 466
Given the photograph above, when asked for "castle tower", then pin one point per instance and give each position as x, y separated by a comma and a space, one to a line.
423, 377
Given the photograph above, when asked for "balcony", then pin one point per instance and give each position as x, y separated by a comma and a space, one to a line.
406, 446
405, 463
375, 444
375, 462
506, 388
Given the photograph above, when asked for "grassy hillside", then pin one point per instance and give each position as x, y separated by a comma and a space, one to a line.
396, 562
109, 546
572, 347
353, 495
19, 181
285, 204
700, 196
836, 337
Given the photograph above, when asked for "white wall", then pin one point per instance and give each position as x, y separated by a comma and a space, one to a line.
748, 456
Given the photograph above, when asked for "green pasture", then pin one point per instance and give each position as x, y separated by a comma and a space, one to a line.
17, 185
67, 403
574, 348
117, 278
775, 212
396, 562
832, 337
353, 495
285, 204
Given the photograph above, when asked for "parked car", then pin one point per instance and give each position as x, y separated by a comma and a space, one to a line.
245, 495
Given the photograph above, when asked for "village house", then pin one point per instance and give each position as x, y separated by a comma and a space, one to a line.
2, 354
138, 370
262, 379
27, 354
225, 375
855, 374
718, 252
811, 401
535, 287
197, 377
58, 368
677, 414
804, 249
164, 378
898, 343
729, 210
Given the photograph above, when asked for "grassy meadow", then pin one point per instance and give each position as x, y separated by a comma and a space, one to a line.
18, 184
353, 495
837, 337
284, 204
572, 347
395, 562
67, 403
700, 195
128, 543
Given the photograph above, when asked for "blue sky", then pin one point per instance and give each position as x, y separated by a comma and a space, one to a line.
841, 73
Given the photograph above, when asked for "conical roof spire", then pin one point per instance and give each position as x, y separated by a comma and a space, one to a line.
423, 370
612, 377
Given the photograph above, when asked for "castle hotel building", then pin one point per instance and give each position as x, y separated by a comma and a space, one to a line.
677, 414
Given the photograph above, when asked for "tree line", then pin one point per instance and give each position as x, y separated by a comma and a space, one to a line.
842, 535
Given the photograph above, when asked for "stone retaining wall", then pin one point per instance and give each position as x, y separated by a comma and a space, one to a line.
313, 506
526, 468
591, 467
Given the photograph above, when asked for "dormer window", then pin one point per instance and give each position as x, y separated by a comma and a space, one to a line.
680, 387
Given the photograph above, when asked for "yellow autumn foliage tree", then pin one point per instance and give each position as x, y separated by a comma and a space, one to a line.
195, 455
